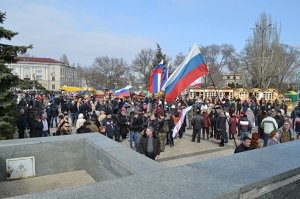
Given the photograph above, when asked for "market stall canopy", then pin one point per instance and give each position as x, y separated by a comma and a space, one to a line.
71, 89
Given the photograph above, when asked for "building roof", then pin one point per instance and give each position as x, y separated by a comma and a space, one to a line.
39, 60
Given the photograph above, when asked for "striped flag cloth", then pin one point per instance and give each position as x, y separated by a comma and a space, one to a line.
124, 92
155, 79
181, 120
165, 75
190, 69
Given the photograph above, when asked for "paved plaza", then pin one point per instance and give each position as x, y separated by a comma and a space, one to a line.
185, 151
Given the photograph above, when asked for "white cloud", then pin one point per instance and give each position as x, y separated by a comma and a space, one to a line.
53, 32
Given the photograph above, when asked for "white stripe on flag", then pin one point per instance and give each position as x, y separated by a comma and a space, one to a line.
181, 120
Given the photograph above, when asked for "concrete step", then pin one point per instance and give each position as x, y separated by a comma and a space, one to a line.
44, 183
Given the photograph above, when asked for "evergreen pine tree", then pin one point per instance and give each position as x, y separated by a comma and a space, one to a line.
158, 57
8, 54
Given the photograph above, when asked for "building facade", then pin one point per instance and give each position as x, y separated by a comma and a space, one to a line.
52, 74
233, 78
239, 93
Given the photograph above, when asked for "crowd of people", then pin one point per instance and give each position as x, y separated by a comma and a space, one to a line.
148, 123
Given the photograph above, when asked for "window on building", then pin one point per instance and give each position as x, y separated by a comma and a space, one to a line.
228, 77
53, 86
38, 77
53, 78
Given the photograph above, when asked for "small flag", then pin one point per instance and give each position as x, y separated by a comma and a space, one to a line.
155, 78
124, 92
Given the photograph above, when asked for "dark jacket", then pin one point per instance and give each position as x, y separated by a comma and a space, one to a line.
197, 121
241, 148
22, 122
73, 108
109, 127
136, 124
221, 124
36, 128
83, 129
144, 144
280, 120
54, 111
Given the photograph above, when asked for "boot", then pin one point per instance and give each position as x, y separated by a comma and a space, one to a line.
207, 136
221, 144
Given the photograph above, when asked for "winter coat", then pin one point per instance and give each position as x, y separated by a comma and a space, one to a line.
221, 124
269, 124
22, 122
245, 125
109, 127
241, 148
232, 125
54, 111
206, 120
92, 127
73, 108
80, 121
144, 144
250, 116
197, 121
280, 120
36, 128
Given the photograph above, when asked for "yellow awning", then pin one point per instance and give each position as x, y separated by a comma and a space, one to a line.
71, 88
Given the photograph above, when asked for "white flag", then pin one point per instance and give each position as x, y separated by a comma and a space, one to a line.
180, 122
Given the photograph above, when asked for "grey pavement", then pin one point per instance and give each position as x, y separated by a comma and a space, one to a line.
184, 151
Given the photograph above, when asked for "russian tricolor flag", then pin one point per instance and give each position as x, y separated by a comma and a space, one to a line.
124, 92
165, 75
155, 78
190, 69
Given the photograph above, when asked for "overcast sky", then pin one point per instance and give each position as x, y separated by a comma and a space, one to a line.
84, 30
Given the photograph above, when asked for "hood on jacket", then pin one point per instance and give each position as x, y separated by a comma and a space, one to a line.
80, 116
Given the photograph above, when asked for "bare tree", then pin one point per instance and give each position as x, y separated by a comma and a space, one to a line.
112, 69
178, 60
289, 60
216, 58
142, 64
263, 53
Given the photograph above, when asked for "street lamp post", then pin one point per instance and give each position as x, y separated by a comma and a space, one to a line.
262, 29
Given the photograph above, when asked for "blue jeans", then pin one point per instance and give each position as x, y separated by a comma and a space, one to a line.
74, 117
243, 134
53, 118
44, 133
132, 138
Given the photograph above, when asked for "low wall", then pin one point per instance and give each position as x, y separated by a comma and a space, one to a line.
271, 172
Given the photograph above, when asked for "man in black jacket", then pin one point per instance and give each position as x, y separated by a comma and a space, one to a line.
22, 123
244, 146
196, 122
36, 127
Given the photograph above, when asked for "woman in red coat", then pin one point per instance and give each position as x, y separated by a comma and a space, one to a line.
232, 126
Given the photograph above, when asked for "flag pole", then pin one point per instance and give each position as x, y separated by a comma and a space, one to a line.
222, 107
